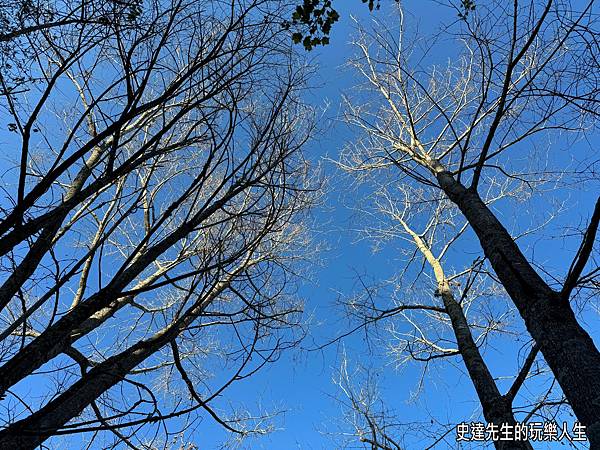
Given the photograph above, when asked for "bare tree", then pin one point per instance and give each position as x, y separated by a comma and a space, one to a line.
439, 308
369, 423
441, 146
365, 412
149, 219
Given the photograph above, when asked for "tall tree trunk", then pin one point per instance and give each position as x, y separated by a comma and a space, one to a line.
58, 337
30, 432
549, 318
497, 409
44, 423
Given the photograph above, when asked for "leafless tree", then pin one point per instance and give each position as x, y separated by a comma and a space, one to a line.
368, 421
445, 150
438, 308
152, 208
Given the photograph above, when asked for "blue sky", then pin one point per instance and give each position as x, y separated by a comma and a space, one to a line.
301, 382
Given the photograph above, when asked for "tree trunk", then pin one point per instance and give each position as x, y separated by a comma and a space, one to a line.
566, 346
497, 409
30, 432
58, 337
39, 426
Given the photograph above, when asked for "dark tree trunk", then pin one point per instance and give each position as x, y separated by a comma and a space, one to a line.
549, 318
30, 432
58, 337
497, 409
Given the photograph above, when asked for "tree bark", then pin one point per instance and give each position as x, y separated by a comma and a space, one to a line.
59, 336
566, 346
497, 409
30, 432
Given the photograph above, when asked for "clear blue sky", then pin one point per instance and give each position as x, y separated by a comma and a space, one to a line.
301, 382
